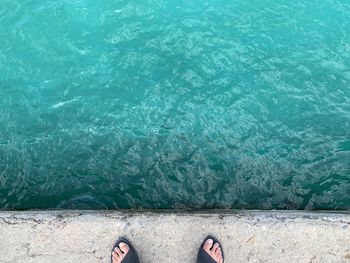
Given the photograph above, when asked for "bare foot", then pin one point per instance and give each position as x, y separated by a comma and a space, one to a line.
119, 252
213, 250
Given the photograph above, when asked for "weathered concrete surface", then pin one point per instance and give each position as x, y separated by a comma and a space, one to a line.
65, 236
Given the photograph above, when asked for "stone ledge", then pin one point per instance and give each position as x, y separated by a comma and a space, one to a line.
246, 236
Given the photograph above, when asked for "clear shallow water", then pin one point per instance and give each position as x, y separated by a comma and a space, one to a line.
185, 104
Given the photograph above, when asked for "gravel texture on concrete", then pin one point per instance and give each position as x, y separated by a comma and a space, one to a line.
246, 236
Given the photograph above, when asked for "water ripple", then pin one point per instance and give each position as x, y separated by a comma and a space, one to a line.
174, 104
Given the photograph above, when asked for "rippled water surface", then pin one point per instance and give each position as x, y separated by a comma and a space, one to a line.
174, 104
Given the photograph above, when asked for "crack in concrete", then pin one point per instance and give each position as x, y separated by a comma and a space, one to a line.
17, 221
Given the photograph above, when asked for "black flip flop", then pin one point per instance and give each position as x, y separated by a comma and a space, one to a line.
203, 256
131, 256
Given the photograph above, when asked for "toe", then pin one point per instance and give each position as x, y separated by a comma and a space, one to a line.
220, 257
215, 247
115, 257
124, 247
217, 251
216, 257
118, 251
208, 244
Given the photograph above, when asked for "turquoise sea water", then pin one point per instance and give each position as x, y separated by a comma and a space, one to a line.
175, 104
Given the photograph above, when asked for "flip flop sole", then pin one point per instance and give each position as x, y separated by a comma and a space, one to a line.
203, 256
131, 256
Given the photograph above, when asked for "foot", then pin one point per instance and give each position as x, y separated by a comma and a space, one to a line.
119, 252
213, 250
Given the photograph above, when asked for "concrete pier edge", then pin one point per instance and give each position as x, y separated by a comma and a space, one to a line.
174, 236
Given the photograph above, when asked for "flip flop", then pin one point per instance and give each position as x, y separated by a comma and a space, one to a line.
203, 256
131, 256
